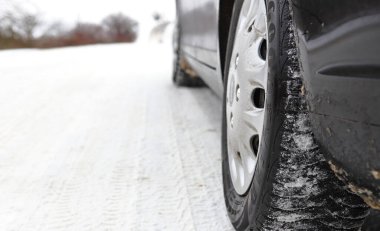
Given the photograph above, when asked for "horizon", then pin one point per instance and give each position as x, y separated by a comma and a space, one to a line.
71, 12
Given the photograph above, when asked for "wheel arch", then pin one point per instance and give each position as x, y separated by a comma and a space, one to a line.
224, 24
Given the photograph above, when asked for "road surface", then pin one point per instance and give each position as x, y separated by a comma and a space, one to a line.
98, 138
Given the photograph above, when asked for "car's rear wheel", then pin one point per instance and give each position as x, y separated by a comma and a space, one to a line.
274, 175
183, 75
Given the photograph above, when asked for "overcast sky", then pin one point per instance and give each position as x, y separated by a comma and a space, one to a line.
72, 11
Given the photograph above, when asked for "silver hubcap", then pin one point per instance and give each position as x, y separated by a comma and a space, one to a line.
246, 90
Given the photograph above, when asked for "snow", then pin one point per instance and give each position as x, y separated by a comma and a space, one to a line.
291, 217
297, 183
303, 142
98, 138
299, 175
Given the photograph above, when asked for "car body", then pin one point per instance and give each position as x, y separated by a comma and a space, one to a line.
340, 50
339, 54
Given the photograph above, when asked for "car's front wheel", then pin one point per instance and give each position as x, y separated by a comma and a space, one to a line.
275, 177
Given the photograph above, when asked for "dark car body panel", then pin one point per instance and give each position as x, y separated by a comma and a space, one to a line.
198, 21
318, 17
339, 46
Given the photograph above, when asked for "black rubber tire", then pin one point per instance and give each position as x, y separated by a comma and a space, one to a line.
372, 222
180, 77
293, 187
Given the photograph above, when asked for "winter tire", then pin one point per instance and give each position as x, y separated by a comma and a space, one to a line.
275, 176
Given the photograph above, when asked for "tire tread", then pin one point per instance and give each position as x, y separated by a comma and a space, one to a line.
321, 202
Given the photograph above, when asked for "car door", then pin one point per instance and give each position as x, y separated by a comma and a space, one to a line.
198, 21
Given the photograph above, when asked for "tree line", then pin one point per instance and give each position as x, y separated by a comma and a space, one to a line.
19, 29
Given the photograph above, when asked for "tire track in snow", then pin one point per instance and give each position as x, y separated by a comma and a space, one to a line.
162, 192
97, 145
200, 155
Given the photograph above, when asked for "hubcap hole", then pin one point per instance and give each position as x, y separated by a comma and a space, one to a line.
237, 93
232, 120
236, 61
255, 144
258, 98
263, 49
251, 26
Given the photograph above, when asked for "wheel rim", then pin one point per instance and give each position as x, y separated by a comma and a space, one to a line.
246, 90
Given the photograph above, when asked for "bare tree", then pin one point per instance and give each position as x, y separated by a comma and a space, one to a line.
88, 33
10, 36
20, 28
19, 25
121, 28
28, 24
54, 29
8, 25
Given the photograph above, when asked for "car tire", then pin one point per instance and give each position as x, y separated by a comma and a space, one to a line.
372, 221
293, 187
181, 76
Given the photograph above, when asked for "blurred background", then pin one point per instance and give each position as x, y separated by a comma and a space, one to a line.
93, 133
47, 24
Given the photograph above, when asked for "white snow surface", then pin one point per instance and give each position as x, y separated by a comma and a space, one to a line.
98, 138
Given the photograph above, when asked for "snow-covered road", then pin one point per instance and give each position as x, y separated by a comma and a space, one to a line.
98, 138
